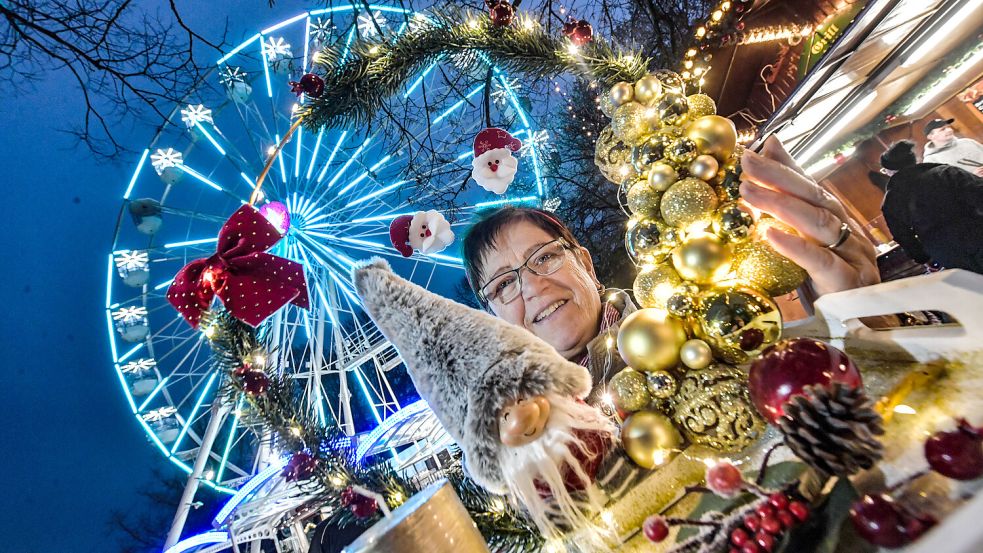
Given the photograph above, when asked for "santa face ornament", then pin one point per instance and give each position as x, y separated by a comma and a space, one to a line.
494, 165
425, 231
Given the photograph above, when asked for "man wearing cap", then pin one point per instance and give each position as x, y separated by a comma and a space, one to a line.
944, 147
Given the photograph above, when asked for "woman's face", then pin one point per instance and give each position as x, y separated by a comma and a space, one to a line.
573, 289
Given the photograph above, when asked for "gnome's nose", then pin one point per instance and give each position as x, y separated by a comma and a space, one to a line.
494, 168
523, 421
428, 233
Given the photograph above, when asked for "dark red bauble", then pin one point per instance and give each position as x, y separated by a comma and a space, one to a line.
957, 454
878, 520
242, 369
310, 84
364, 507
569, 27
582, 32
301, 466
655, 528
787, 367
502, 13
255, 383
348, 497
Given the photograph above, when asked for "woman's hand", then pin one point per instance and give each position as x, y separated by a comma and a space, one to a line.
774, 183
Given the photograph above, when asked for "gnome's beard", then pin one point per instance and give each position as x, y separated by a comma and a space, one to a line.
538, 474
496, 181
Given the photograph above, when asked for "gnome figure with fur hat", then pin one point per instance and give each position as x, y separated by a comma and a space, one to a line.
494, 165
424, 231
512, 403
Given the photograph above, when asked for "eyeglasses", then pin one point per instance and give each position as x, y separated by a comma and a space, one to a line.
546, 260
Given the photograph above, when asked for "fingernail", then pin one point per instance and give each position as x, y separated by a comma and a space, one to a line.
748, 188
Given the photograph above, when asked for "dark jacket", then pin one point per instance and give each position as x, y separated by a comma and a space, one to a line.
935, 212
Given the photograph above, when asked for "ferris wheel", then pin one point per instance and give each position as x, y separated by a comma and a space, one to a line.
332, 192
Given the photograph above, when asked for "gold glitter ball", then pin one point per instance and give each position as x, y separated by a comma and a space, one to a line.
700, 105
758, 264
630, 122
629, 390
643, 199
688, 201
655, 284
712, 408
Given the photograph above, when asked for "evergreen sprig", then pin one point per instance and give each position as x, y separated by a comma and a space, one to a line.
358, 81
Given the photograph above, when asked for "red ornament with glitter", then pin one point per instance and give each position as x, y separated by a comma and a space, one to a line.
579, 32
364, 507
502, 13
310, 84
301, 466
255, 383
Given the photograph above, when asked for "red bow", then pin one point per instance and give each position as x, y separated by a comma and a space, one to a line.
251, 283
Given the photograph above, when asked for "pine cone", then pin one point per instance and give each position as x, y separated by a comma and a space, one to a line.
833, 429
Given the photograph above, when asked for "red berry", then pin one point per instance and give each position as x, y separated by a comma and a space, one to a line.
799, 510
778, 500
752, 522
750, 547
655, 528
878, 520
765, 511
957, 454
765, 540
785, 518
724, 479
771, 525
739, 537
733, 550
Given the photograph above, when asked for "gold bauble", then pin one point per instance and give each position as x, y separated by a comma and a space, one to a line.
738, 323
672, 108
648, 89
681, 304
758, 264
651, 150
688, 201
700, 105
613, 157
647, 240
712, 408
629, 390
733, 222
702, 259
696, 354
629, 122
682, 151
643, 199
671, 81
655, 284
621, 93
607, 105
704, 167
662, 176
714, 135
661, 384
650, 439
649, 340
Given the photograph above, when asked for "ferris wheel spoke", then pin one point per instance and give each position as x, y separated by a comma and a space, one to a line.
194, 411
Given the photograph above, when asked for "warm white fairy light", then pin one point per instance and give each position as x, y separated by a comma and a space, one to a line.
775, 32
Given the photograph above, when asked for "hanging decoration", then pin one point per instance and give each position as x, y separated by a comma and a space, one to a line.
494, 166
425, 231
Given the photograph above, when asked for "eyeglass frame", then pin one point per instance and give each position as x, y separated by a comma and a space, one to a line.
525, 265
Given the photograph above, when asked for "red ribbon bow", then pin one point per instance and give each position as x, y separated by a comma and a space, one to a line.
251, 283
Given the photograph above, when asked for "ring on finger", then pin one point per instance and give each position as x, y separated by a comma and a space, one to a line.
842, 238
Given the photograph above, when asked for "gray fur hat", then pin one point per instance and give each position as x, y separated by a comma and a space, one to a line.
465, 363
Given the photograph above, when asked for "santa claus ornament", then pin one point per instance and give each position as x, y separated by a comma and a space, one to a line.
494, 165
425, 231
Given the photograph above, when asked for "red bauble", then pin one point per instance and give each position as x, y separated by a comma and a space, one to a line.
879, 521
300, 467
242, 369
309, 84
655, 528
255, 383
348, 497
787, 367
957, 454
724, 479
502, 13
579, 32
364, 507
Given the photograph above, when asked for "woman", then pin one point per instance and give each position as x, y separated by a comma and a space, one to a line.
527, 268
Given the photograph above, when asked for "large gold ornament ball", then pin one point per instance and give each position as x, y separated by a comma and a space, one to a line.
621, 93
733, 222
662, 176
702, 259
688, 201
649, 340
630, 122
758, 264
607, 105
704, 167
613, 157
671, 81
651, 150
672, 108
655, 284
648, 89
712, 408
700, 105
738, 323
629, 390
643, 199
648, 240
696, 354
682, 151
714, 135
649, 438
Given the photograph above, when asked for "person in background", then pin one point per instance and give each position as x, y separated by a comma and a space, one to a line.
934, 210
945, 147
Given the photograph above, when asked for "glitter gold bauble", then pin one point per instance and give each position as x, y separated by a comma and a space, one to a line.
649, 439
681, 151
629, 390
702, 259
712, 408
661, 176
714, 135
630, 123
696, 354
738, 323
613, 157
655, 284
758, 264
688, 201
672, 108
651, 150
643, 199
704, 167
700, 105
607, 105
661, 384
649, 340
647, 90
733, 222
621, 93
